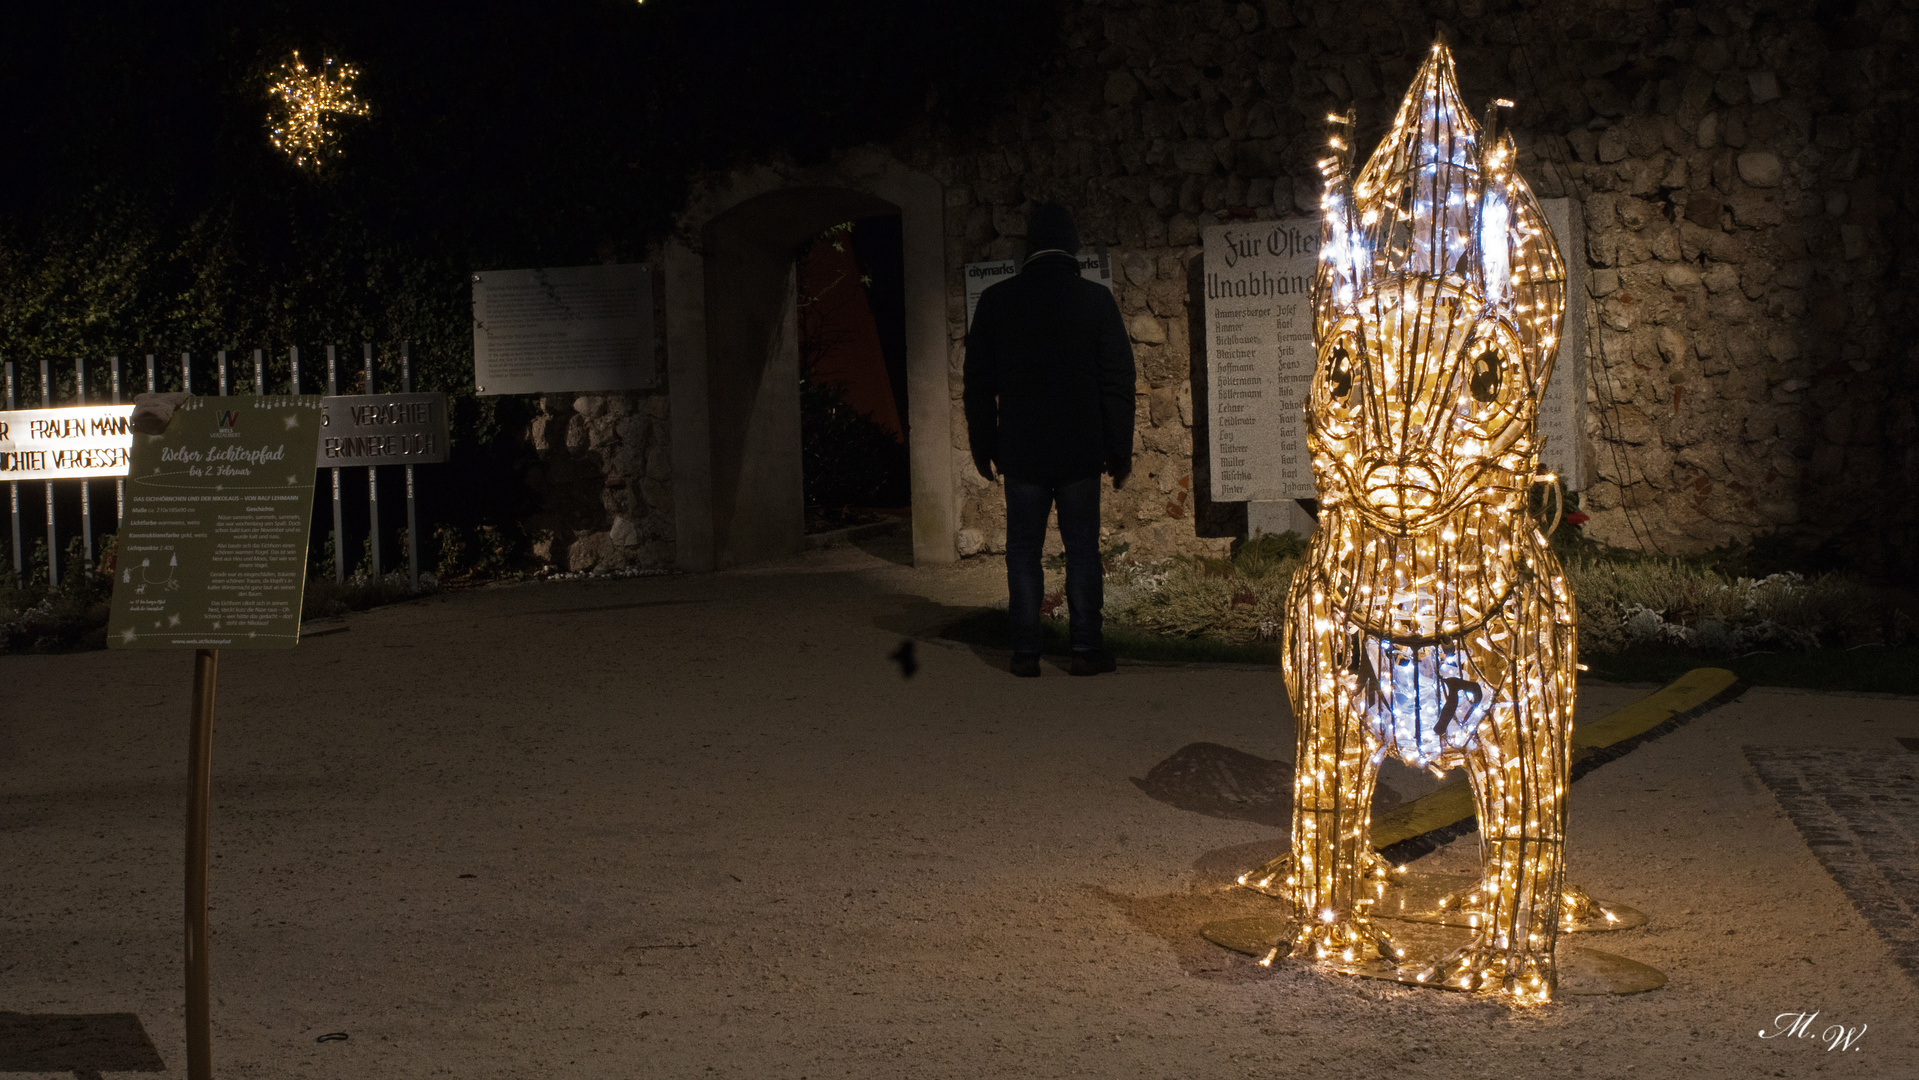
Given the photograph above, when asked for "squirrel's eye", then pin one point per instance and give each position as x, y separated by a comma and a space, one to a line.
1486, 371
1339, 371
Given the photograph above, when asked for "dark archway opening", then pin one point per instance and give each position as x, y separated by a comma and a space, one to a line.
851, 306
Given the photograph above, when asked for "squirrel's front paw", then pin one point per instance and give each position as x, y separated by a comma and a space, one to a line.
1331, 937
1489, 963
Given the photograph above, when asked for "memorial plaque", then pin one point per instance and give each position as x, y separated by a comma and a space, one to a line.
212, 550
72, 443
382, 429
1094, 267
563, 329
1562, 412
1259, 356
1259, 362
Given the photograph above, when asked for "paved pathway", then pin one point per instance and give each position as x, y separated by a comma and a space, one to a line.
701, 826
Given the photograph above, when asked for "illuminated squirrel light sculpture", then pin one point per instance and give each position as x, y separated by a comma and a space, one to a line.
1430, 620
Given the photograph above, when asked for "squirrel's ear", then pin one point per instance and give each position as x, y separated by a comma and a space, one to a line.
1345, 263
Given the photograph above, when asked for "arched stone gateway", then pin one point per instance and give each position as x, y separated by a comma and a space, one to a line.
733, 354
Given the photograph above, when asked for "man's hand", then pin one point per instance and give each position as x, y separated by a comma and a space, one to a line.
984, 463
1120, 468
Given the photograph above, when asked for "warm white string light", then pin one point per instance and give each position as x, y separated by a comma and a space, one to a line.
1430, 620
305, 103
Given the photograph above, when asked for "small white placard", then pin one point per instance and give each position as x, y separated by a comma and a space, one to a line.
1097, 266
563, 329
75, 442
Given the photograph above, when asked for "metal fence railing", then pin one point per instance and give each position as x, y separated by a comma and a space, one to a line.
55, 391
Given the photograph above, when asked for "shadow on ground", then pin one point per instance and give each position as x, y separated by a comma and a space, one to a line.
927, 620
1219, 781
895, 545
85, 1044
1213, 895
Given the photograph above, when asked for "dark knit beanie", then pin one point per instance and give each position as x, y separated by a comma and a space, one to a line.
1051, 226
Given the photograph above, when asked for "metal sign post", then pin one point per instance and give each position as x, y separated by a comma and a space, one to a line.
53, 538
339, 518
206, 673
165, 597
260, 371
372, 483
86, 489
19, 560
412, 524
293, 357
153, 376
223, 373
120, 485
186, 372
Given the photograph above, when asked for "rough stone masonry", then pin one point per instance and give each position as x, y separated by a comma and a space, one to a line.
1742, 170
1746, 172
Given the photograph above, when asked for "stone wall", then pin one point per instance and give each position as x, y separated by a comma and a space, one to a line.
605, 481
605, 474
1741, 170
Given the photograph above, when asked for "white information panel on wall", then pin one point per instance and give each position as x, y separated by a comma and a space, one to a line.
75, 442
1562, 413
563, 329
1259, 357
1095, 267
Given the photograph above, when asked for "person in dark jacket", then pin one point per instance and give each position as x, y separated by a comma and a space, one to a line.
1049, 401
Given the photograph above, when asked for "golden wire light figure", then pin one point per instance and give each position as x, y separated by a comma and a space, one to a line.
1430, 620
301, 121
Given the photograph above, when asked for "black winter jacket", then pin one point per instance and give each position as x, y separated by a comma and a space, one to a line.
1049, 375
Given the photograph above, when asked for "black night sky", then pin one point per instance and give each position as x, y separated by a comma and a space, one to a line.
500, 132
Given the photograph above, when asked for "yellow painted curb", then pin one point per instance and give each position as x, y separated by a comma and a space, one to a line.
1449, 804
1453, 803
1689, 691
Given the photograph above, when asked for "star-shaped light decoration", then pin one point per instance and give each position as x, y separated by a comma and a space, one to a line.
300, 120
293, 420
128, 635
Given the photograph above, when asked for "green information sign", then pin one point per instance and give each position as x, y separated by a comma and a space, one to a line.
212, 550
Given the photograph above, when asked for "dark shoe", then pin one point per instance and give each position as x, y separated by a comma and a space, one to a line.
1093, 662
1025, 665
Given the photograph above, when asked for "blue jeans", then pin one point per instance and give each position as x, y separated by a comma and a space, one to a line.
1027, 502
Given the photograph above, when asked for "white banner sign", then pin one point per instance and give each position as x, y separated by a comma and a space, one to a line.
1095, 267
1259, 357
71, 443
563, 329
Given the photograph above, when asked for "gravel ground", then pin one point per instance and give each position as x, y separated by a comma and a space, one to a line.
701, 826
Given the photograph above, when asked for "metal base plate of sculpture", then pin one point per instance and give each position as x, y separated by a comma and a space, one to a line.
1582, 972
1430, 620
1453, 900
